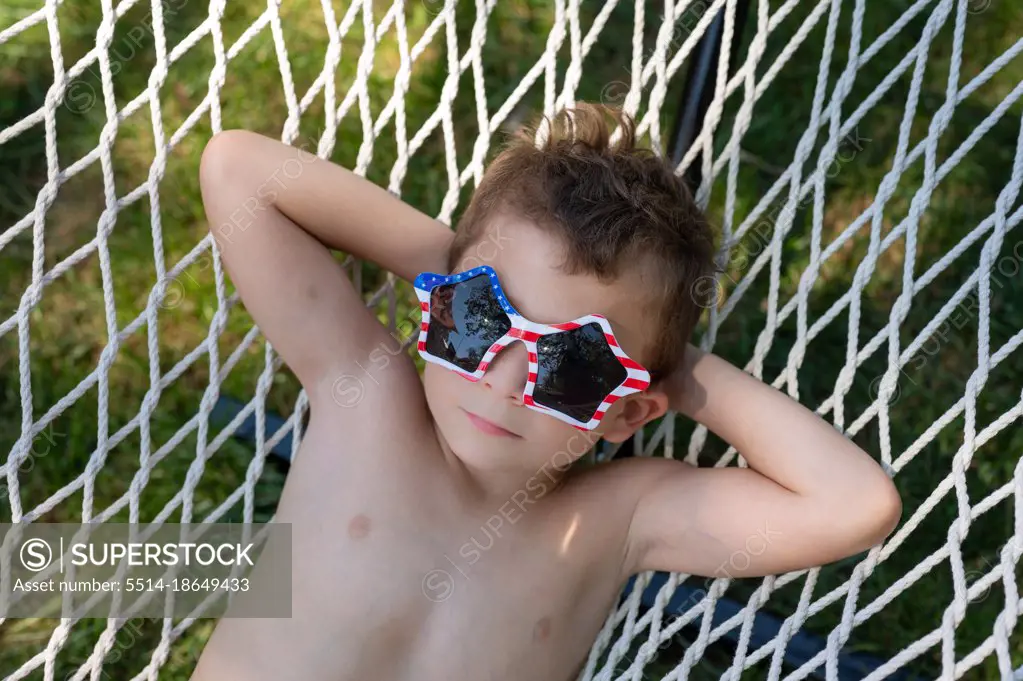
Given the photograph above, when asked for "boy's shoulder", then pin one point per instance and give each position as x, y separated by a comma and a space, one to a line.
629, 477
381, 372
378, 391
612, 492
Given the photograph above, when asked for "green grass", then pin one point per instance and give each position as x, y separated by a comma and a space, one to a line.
68, 327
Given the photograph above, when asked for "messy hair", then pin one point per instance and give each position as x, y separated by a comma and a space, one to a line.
614, 206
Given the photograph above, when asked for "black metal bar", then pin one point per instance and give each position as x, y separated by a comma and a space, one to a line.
226, 408
698, 89
697, 94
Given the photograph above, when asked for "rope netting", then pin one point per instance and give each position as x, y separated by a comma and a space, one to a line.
780, 256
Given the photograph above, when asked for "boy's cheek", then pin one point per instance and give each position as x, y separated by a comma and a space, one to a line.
443, 385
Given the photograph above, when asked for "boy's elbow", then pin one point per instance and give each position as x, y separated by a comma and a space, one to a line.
221, 158
222, 181
886, 511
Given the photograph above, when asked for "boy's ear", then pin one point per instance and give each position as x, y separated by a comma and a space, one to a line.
636, 411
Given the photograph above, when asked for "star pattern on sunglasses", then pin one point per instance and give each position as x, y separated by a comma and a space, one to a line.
431, 280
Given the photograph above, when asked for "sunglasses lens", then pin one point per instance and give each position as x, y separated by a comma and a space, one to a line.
576, 371
465, 320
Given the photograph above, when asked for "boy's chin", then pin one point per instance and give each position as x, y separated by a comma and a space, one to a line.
482, 452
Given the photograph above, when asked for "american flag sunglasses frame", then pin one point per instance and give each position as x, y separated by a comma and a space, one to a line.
637, 377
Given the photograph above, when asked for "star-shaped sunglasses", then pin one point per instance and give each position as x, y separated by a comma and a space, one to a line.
577, 370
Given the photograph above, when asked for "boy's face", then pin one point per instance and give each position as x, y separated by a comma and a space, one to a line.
526, 260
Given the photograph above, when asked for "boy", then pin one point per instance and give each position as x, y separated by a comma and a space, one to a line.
438, 532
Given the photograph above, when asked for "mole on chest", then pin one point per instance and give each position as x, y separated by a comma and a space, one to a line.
359, 526
542, 630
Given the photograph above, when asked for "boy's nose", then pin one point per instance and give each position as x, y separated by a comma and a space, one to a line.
508, 372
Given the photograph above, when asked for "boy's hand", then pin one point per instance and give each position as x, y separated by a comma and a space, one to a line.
276, 212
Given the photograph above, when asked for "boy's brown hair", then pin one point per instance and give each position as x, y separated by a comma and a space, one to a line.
613, 206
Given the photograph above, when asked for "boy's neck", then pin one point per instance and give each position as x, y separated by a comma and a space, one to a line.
489, 487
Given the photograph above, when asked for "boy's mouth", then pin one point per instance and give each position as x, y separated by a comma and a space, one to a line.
489, 427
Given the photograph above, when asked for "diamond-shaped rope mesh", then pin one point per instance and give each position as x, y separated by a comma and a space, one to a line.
850, 283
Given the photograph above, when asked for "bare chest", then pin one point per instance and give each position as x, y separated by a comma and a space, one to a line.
508, 592
392, 582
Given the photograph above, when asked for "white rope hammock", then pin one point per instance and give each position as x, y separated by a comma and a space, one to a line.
800, 183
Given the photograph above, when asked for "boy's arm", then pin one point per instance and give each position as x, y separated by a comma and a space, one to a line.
809, 497
275, 212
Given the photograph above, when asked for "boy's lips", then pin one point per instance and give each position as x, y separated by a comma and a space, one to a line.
488, 427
